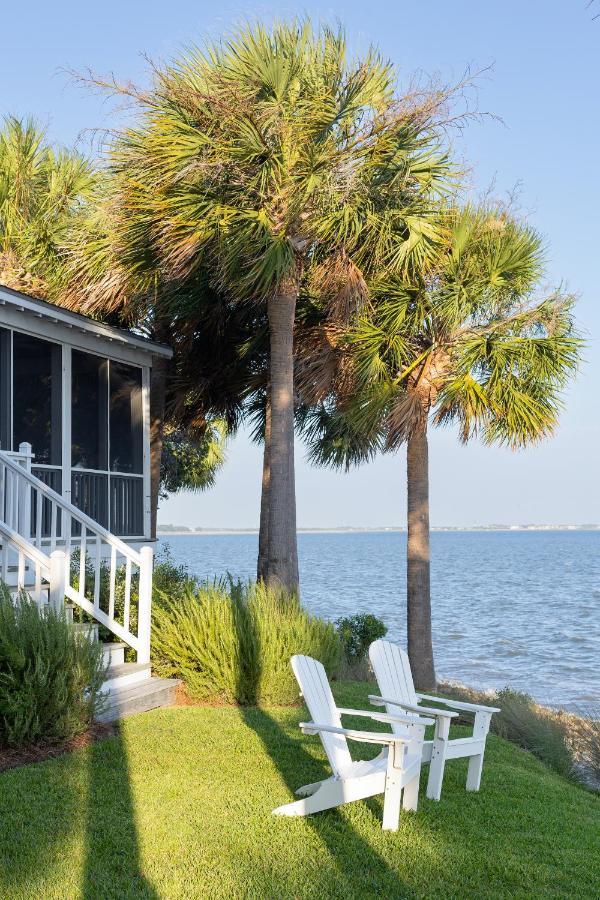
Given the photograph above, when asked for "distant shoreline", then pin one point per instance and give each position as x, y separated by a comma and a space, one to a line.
213, 532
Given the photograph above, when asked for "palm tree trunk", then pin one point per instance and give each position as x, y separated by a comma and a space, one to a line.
418, 609
263, 533
158, 386
282, 569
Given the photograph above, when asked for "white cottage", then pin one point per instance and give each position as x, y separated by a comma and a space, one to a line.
75, 493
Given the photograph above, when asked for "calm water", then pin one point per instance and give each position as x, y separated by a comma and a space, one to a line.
518, 608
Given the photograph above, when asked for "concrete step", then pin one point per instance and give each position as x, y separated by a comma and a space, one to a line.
149, 694
114, 653
125, 675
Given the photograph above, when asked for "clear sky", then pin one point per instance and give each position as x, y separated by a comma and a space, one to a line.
544, 84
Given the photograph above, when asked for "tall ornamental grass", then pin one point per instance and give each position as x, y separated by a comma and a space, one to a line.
233, 643
50, 676
564, 741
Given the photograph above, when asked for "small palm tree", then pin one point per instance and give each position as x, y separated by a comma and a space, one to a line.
470, 344
264, 157
42, 191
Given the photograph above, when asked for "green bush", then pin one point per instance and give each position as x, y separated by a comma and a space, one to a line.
50, 677
357, 633
541, 732
545, 732
233, 643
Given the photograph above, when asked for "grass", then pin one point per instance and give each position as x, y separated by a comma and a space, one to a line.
178, 805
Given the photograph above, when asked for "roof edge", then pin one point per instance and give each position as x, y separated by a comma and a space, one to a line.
65, 316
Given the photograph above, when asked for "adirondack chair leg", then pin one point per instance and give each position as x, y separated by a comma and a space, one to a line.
474, 772
328, 795
307, 789
410, 797
480, 730
438, 759
393, 790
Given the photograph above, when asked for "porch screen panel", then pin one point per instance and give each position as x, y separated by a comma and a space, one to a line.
53, 478
5, 443
89, 493
89, 407
37, 397
126, 505
126, 432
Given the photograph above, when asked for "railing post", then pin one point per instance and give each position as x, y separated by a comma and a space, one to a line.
23, 516
145, 605
58, 580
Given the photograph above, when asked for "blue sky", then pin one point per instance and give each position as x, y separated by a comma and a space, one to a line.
543, 85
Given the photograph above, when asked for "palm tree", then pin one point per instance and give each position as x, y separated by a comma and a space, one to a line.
471, 344
57, 241
265, 156
42, 190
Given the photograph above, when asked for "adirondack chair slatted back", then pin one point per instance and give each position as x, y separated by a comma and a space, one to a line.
314, 686
394, 677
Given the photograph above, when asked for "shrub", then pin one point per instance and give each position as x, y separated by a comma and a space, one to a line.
234, 642
280, 627
357, 633
169, 578
50, 677
534, 728
568, 743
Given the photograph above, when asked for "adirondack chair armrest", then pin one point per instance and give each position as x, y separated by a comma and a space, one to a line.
384, 717
460, 705
411, 707
366, 737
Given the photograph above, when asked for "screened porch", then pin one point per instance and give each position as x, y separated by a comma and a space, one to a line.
80, 397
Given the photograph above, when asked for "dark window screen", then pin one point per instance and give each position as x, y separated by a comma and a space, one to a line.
89, 405
125, 418
37, 384
5, 389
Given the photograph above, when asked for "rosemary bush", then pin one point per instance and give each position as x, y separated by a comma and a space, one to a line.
50, 676
233, 642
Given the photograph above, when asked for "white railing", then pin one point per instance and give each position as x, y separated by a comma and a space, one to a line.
38, 544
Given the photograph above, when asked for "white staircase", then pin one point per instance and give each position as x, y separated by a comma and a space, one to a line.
40, 532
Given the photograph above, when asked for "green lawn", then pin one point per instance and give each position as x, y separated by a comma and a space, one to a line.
179, 805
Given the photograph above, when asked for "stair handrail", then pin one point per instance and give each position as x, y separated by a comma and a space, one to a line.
69, 508
30, 550
60, 584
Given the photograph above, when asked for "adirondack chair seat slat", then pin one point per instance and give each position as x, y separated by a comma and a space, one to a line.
394, 678
394, 772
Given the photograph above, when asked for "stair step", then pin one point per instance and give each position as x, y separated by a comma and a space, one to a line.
114, 653
90, 629
149, 694
124, 675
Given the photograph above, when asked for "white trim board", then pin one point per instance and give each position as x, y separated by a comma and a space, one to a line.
42, 319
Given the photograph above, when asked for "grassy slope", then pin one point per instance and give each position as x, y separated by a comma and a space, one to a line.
179, 806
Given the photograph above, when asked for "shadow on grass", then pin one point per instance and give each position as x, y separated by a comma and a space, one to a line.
358, 862
112, 866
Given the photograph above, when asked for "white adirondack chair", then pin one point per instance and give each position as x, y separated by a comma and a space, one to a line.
393, 773
394, 677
